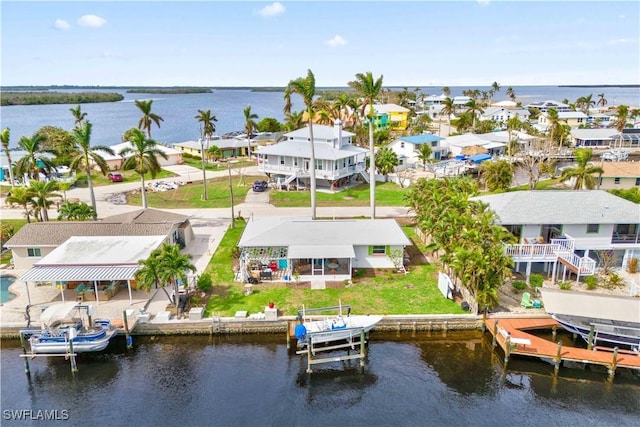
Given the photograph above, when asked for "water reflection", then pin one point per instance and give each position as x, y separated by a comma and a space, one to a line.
342, 386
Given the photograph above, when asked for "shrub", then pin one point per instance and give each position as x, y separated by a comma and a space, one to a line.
565, 286
519, 285
632, 265
614, 281
204, 282
536, 281
358, 273
591, 282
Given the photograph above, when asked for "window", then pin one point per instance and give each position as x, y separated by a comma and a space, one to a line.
401, 144
378, 250
318, 164
593, 228
282, 160
616, 180
637, 182
34, 252
295, 161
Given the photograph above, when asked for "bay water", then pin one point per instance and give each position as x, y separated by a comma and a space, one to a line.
408, 380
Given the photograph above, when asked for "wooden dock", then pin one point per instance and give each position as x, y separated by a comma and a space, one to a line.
510, 334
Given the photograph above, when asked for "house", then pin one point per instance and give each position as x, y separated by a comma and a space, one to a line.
502, 114
36, 240
114, 162
567, 228
395, 116
619, 175
494, 143
407, 149
230, 147
605, 138
338, 162
573, 119
545, 106
318, 250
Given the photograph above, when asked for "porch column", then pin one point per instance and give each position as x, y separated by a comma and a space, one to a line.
553, 271
95, 291
129, 287
528, 272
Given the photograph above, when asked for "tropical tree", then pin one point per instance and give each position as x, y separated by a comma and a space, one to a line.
250, 126
43, 192
474, 108
294, 120
386, 161
174, 266
448, 108
446, 91
495, 88
602, 101
22, 196
464, 122
4, 138
511, 94
35, 156
269, 124
148, 118
513, 124
346, 108
584, 103
142, 156
59, 140
424, 154
368, 88
78, 115
621, 120
65, 186
306, 88
583, 172
215, 152
75, 211
554, 125
207, 120
497, 175
88, 157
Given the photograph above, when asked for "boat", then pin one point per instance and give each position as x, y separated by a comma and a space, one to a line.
599, 319
70, 323
328, 329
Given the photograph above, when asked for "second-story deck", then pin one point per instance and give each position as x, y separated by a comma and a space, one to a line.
561, 250
301, 172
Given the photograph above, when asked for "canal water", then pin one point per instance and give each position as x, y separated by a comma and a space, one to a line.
408, 380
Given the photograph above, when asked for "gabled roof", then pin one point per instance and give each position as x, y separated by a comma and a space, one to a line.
118, 148
320, 132
146, 216
424, 138
322, 150
562, 207
601, 134
621, 169
291, 231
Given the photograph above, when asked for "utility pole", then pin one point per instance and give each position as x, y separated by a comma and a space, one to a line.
233, 218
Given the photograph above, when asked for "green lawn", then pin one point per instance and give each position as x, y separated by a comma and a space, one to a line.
385, 292
387, 194
213, 166
127, 176
15, 224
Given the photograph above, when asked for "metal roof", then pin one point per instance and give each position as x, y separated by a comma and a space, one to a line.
321, 132
424, 138
323, 150
77, 273
321, 251
597, 306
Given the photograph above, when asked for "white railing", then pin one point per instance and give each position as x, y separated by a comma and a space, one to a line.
564, 244
532, 251
585, 265
559, 248
320, 173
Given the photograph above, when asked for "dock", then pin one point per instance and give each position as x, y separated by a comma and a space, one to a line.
512, 336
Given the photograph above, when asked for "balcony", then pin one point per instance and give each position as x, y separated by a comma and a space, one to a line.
300, 172
625, 238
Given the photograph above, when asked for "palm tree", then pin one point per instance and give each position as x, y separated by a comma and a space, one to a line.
143, 158
35, 156
369, 88
64, 186
249, 126
22, 196
4, 138
554, 123
345, 107
511, 94
173, 268
495, 87
208, 127
148, 276
602, 101
75, 211
215, 152
386, 161
621, 120
306, 88
448, 108
513, 124
294, 120
497, 175
78, 115
474, 108
43, 192
424, 154
147, 116
446, 91
87, 157
583, 171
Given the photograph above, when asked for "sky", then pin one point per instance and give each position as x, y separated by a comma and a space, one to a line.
252, 43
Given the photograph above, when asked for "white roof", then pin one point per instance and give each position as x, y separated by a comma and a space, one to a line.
562, 207
596, 306
505, 103
571, 115
322, 150
89, 273
601, 134
320, 233
390, 108
321, 251
222, 143
101, 250
321, 132
119, 147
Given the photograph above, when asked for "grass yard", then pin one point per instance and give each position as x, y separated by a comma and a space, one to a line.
387, 194
15, 225
382, 292
127, 176
196, 162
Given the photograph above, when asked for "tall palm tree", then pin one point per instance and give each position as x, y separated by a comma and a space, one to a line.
143, 158
173, 268
4, 138
294, 120
583, 171
554, 123
495, 87
22, 196
345, 107
35, 156
622, 112
208, 127
43, 192
446, 91
306, 88
474, 108
448, 108
424, 154
602, 101
147, 116
513, 124
78, 115
87, 157
511, 94
149, 275
369, 88
249, 126
386, 161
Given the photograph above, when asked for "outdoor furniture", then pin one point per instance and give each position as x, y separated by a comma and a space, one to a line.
526, 300
273, 266
266, 274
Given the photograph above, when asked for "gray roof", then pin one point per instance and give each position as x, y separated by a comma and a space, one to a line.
67, 273
562, 207
603, 134
322, 132
323, 150
290, 232
594, 306
147, 216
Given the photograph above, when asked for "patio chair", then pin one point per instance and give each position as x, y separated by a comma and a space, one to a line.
526, 300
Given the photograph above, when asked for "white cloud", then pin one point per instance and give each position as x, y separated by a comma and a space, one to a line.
483, 2
620, 41
91, 21
337, 41
61, 24
621, 16
272, 10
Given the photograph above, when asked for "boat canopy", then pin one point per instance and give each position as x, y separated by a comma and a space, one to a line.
595, 306
57, 312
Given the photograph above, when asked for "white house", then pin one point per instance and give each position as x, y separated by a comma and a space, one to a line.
495, 142
286, 248
502, 114
573, 119
545, 106
338, 162
174, 157
567, 228
407, 149
605, 138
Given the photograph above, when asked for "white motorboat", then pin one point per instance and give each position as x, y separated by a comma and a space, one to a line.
70, 323
332, 328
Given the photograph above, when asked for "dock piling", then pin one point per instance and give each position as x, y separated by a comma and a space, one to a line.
614, 363
126, 330
558, 359
24, 352
591, 333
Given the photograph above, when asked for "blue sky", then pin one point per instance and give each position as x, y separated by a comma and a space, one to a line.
249, 43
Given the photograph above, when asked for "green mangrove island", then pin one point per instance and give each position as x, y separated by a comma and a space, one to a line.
41, 98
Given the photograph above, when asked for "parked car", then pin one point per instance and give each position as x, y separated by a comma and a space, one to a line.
259, 186
115, 177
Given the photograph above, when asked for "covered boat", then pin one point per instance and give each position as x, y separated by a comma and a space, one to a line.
615, 320
63, 324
